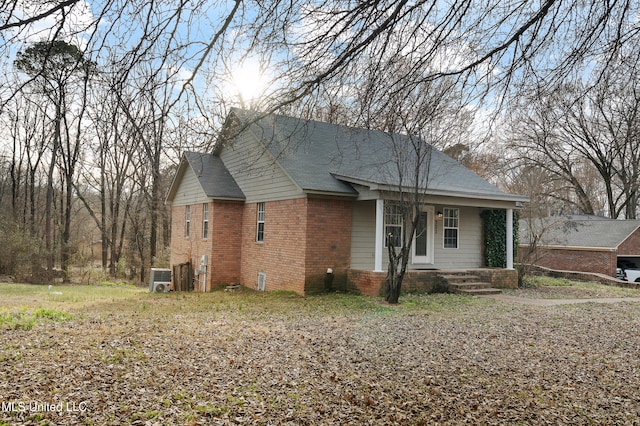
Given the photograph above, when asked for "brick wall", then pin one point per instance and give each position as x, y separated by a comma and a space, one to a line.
499, 278
282, 254
225, 221
367, 283
328, 243
371, 283
597, 261
630, 246
194, 246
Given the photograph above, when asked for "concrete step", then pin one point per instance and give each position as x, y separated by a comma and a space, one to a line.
476, 285
460, 278
480, 291
468, 284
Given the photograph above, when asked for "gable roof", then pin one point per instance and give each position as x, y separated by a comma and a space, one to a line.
326, 157
579, 232
214, 178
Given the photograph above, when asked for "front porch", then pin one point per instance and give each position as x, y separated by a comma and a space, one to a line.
371, 283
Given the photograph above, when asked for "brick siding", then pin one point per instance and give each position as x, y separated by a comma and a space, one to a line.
281, 254
193, 247
222, 245
630, 246
328, 243
226, 236
367, 283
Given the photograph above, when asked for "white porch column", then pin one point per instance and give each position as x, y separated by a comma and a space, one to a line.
509, 238
379, 235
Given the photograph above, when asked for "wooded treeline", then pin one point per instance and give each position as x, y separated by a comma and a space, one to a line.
83, 182
97, 102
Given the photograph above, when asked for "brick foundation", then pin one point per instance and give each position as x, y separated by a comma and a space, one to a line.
367, 283
371, 283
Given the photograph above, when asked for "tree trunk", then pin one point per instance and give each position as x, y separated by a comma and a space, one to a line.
48, 216
393, 282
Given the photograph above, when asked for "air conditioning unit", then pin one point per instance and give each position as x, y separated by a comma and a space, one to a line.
262, 281
161, 287
159, 280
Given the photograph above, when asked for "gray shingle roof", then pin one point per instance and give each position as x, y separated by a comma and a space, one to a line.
215, 179
325, 157
568, 232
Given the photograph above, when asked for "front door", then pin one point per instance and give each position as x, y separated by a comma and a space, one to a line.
422, 249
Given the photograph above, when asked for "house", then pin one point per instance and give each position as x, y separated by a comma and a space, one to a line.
290, 204
580, 243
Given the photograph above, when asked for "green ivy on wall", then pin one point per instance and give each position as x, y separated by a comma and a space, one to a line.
495, 237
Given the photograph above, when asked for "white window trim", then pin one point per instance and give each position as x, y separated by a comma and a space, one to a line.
385, 224
187, 221
205, 221
445, 228
260, 220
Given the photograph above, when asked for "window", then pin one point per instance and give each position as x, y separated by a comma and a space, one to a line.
392, 224
187, 223
450, 226
260, 228
205, 221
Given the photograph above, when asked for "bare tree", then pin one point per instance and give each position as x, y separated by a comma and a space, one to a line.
586, 137
56, 67
178, 57
109, 182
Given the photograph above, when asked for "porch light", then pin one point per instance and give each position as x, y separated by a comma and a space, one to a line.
439, 215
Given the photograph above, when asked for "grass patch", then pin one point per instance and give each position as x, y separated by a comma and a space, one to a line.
118, 284
25, 319
51, 315
241, 303
531, 281
17, 320
562, 288
62, 297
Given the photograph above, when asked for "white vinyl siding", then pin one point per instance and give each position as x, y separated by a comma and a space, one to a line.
256, 172
468, 254
189, 191
470, 246
363, 237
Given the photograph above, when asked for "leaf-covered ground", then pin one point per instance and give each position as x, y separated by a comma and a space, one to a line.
129, 357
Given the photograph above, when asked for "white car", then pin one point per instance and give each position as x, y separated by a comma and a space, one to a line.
631, 275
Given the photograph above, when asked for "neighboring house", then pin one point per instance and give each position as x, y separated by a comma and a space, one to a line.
580, 243
291, 204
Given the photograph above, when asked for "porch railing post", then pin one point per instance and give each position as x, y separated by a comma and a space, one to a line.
379, 236
509, 238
